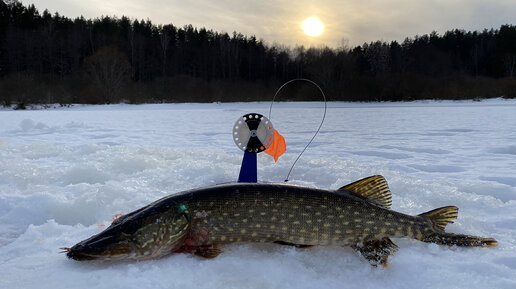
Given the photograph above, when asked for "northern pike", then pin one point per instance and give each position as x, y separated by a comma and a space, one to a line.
199, 221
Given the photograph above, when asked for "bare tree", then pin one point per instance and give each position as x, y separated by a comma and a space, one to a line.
509, 63
130, 37
109, 70
164, 38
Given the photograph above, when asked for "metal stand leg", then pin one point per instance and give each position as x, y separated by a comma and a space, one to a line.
248, 173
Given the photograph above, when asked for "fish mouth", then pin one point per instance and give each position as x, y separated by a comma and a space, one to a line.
77, 255
85, 253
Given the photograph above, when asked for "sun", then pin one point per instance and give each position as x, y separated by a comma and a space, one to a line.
313, 27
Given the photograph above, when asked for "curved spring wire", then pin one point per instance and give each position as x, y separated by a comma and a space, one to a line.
320, 125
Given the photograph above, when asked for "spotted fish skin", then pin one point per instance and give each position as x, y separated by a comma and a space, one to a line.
198, 221
292, 214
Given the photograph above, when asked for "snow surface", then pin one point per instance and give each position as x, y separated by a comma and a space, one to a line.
64, 173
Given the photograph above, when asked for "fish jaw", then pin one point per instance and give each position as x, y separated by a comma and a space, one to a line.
141, 235
97, 248
112, 248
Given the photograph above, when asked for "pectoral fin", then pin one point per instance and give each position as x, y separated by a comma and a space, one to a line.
377, 251
208, 252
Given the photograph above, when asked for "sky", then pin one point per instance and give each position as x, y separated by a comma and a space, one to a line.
347, 22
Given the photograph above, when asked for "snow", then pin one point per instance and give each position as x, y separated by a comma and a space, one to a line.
65, 172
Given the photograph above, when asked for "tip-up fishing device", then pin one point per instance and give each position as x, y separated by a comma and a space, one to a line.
254, 133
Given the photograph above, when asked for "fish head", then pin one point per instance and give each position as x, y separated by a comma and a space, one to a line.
141, 235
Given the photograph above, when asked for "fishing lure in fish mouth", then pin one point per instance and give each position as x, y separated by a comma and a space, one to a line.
199, 221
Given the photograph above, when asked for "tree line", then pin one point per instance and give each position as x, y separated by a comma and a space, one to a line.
49, 58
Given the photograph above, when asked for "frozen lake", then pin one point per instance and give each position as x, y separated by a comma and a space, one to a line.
64, 173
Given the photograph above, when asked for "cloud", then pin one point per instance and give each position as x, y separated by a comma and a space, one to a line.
279, 21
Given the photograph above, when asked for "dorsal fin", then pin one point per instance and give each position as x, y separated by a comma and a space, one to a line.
373, 189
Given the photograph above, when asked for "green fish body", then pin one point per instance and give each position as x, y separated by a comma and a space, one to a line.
200, 220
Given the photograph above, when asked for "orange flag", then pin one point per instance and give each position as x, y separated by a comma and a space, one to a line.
277, 147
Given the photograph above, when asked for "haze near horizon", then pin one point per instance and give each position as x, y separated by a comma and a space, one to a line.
346, 23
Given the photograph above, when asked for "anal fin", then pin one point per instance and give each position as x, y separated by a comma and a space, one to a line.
377, 252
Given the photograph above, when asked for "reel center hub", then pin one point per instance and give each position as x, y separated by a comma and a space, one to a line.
253, 133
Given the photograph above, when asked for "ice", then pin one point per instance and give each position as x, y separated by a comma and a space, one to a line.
510, 150
65, 172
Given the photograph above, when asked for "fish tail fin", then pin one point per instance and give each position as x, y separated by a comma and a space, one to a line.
460, 240
441, 217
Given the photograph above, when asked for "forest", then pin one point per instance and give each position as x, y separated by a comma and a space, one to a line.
47, 58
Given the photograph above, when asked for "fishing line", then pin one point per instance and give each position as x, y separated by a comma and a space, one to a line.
320, 125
